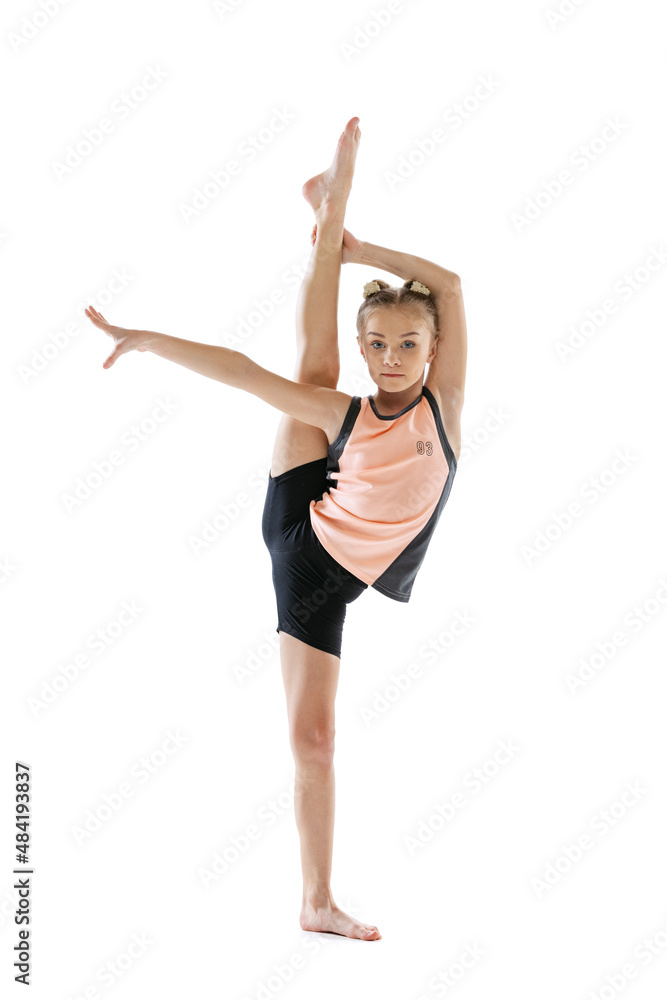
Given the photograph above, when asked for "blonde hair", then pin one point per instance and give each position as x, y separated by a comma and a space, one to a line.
386, 295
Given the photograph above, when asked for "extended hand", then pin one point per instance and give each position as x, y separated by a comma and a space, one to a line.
351, 247
124, 340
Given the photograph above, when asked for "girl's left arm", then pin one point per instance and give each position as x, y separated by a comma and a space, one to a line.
447, 371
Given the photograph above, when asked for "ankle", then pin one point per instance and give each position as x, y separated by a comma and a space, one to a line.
318, 895
331, 211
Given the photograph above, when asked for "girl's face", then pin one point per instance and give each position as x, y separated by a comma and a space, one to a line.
396, 345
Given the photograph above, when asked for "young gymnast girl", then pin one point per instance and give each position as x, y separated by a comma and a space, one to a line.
356, 484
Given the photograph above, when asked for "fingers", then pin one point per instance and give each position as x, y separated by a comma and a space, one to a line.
93, 314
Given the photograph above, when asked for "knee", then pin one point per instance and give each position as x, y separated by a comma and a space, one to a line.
313, 743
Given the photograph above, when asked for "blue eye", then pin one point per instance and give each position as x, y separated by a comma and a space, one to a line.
410, 342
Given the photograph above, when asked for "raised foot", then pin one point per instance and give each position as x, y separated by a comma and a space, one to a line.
331, 919
333, 184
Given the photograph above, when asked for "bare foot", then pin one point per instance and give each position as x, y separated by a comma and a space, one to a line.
321, 914
333, 184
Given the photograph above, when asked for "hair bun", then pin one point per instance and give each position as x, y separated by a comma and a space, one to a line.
374, 286
417, 286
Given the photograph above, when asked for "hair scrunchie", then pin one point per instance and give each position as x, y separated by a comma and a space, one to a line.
370, 287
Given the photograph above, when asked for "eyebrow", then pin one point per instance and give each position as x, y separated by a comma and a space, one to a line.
412, 333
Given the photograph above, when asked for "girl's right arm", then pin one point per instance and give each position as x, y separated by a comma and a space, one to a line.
312, 404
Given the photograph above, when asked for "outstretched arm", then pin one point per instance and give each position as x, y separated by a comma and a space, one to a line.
312, 404
447, 371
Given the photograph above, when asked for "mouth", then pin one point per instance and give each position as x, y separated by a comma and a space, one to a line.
392, 375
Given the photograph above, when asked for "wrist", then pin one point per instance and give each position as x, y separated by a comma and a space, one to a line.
146, 340
364, 254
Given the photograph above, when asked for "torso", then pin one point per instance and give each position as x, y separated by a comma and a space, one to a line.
452, 427
389, 477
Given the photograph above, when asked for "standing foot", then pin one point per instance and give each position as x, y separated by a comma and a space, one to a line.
333, 185
320, 913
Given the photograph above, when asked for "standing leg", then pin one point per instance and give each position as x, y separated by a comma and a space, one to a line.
311, 677
318, 359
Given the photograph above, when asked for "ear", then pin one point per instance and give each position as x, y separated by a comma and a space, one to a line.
433, 351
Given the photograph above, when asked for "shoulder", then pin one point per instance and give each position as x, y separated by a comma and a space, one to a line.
450, 406
340, 405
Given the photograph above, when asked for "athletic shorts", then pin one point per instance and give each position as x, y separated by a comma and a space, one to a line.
312, 588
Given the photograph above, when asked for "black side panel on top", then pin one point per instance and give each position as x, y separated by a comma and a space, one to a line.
335, 449
398, 579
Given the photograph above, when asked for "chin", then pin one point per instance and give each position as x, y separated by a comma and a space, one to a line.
393, 383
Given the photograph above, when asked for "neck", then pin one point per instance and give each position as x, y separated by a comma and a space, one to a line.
391, 402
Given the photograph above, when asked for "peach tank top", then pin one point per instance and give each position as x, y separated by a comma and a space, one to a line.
390, 479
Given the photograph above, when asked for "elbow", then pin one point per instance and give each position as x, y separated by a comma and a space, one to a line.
453, 397
450, 287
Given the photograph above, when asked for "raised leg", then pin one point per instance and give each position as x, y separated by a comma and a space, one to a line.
311, 678
318, 359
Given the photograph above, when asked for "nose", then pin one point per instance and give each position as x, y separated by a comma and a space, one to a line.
391, 358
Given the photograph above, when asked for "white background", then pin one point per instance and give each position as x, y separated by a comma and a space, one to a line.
540, 430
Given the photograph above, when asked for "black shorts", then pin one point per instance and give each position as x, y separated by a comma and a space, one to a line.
312, 588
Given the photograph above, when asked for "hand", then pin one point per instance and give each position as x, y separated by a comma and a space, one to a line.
124, 340
350, 245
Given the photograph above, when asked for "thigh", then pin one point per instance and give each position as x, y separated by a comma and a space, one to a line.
296, 442
310, 677
286, 517
312, 589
